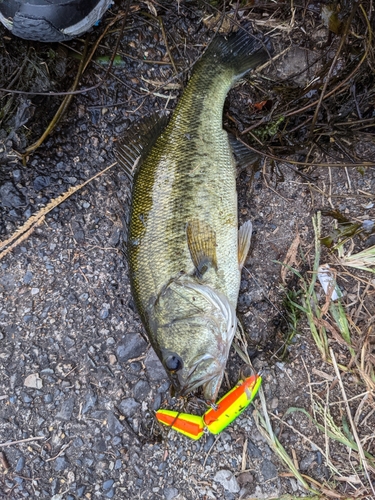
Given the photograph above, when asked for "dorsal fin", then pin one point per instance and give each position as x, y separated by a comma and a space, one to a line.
136, 143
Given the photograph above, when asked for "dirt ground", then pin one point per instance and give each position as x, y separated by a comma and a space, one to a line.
79, 383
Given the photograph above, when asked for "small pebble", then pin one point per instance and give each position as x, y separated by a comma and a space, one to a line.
108, 484
104, 313
33, 381
20, 465
170, 493
60, 464
27, 279
227, 480
128, 407
41, 182
81, 491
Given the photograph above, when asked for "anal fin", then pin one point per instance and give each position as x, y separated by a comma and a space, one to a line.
243, 155
244, 241
201, 240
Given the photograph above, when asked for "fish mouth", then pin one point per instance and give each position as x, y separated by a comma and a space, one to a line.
207, 372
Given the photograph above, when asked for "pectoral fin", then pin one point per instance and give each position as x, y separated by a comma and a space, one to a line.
244, 241
201, 240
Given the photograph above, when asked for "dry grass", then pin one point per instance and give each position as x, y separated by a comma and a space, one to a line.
335, 328
27, 229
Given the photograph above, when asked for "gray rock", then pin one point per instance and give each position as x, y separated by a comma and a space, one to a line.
69, 342
141, 390
27, 279
170, 493
269, 471
81, 491
227, 480
132, 346
78, 232
33, 381
114, 425
66, 409
84, 297
116, 440
78, 443
10, 197
306, 461
155, 370
104, 313
253, 451
135, 366
7, 281
115, 237
48, 398
157, 402
100, 445
108, 484
41, 182
16, 175
209, 442
72, 298
20, 465
90, 402
60, 463
128, 407
26, 398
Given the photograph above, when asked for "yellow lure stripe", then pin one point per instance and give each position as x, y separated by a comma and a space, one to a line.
191, 426
232, 404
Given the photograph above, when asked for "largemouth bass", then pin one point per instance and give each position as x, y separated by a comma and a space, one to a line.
184, 249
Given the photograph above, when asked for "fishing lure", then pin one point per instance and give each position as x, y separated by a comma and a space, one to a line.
217, 418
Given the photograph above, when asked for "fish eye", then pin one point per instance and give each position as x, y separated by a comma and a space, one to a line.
173, 363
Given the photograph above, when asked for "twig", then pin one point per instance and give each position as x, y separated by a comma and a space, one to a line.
27, 440
85, 61
328, 77
62, 108
304, 163
60, 452
167, 45
345, 80
209, 451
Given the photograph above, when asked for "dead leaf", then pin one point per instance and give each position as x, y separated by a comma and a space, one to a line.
291, 257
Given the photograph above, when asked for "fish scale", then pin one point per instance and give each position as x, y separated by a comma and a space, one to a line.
183, 235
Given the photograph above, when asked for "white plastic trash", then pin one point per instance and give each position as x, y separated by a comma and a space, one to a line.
328, 282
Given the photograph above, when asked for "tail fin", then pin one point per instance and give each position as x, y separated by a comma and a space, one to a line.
240, 52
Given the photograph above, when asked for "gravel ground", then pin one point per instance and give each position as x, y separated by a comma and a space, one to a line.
79, 383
